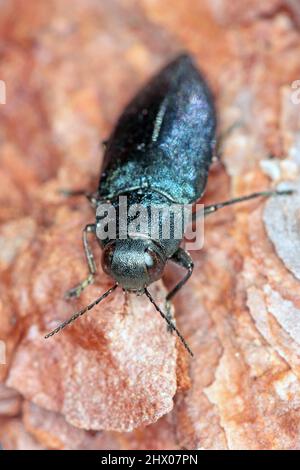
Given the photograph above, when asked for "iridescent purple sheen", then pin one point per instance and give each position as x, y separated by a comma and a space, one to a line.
164, 139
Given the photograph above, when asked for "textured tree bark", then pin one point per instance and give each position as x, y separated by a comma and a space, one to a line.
68, 73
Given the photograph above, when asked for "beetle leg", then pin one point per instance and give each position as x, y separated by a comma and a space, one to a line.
91, 197
214, 207
182, 258
222, 137
76, 291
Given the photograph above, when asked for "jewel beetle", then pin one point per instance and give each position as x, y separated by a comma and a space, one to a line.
159, 153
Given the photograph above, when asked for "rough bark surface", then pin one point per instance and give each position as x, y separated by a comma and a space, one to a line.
115, 380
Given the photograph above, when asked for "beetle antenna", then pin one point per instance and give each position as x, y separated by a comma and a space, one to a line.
170, 323
82, 311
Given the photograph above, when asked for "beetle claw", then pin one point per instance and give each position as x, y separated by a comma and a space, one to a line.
72, 293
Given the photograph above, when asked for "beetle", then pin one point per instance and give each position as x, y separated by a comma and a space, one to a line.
160, 152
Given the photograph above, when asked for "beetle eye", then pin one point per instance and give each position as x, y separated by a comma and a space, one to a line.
107, 257
154, 264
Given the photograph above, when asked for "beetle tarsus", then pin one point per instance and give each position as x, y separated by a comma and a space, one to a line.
77, 290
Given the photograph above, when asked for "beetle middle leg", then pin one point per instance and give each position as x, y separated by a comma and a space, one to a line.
214, 207
91, 197
76, 291
182, 258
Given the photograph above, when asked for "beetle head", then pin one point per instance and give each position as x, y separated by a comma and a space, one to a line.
133, 263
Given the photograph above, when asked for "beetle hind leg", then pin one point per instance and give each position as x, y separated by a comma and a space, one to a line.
219, 147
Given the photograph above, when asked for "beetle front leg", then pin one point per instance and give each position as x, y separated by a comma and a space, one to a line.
182, 258
76, 291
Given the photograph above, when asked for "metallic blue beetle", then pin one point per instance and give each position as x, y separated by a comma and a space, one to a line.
158, 154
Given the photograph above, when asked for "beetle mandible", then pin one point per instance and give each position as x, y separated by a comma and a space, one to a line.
159, 153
